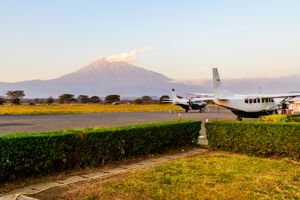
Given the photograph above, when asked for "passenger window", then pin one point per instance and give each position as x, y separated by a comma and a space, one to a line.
267, 100
246, 101
263, 100
254, 100
258, 100
250, 100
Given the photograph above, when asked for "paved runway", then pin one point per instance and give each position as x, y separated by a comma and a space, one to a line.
36, 123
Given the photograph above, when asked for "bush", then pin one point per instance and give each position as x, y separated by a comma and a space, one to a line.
273, 118
281, 118
42, 153
2, 100
256, 138
16, 101
293, 118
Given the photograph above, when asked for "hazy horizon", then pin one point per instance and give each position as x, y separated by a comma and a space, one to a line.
182, 40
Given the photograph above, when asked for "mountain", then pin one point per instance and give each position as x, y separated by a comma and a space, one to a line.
104, 77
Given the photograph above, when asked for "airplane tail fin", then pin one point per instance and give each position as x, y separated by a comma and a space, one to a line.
219, 92
173, 96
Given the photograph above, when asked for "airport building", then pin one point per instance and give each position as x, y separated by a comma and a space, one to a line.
295, 106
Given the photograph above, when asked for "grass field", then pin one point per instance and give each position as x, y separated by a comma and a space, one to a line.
217, 175
82, 108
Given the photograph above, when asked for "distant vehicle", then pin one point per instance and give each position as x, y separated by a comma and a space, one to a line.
249, 106
195, 103
115, 103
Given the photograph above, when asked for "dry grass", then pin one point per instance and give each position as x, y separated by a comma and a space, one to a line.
216, 175
82, 108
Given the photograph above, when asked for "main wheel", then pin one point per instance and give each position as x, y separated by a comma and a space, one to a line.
186, 110
239, 118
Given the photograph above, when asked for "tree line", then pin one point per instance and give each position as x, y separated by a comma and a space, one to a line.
16, 96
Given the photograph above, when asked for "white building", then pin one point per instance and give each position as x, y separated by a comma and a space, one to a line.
295, 106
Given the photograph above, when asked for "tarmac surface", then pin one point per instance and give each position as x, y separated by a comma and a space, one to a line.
39, 123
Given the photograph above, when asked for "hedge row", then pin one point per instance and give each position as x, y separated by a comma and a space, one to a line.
281, 118
256, 138
42, 153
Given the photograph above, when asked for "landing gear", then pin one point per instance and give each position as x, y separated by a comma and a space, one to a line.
239, 118
186, 110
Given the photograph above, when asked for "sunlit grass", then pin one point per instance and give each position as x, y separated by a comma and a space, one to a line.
82, 108
217, 175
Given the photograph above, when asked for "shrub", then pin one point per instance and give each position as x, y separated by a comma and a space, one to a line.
293, 118
55, 151
2, 100
50, 100
16, 101
256, 138
273, 118
281, 118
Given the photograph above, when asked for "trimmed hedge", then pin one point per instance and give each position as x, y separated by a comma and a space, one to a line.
256, 138
273, 118
281, 118
41, 153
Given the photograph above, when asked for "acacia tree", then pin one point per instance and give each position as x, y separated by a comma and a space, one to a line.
50, 100
2, 100
65, 98
95, 99
146, 99
138, 101
112, 98
83, 99
15, 96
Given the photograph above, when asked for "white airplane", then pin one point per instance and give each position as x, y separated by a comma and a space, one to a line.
248, 106
188, 104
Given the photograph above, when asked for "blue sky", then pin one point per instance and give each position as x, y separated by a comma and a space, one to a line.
181, 39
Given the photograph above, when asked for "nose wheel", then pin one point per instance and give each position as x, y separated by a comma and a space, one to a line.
239, 118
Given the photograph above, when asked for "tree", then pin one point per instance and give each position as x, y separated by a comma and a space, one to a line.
66, 98
83, 99
163, 98
146, 99
138, 101
112, 98
50, 100
15, 96
95, 99
2, 100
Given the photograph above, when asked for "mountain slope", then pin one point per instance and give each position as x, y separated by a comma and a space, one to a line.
101, 78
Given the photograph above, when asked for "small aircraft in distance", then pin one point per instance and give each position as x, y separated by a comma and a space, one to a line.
196, 103
248, 106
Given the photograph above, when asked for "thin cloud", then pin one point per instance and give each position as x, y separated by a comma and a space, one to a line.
128, 57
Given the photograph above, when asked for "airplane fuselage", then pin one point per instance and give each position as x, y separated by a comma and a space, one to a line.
250, 107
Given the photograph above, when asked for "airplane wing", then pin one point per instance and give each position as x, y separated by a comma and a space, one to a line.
287, 95
204, 98
202, 94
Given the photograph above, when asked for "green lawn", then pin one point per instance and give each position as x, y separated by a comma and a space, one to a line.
217, 175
